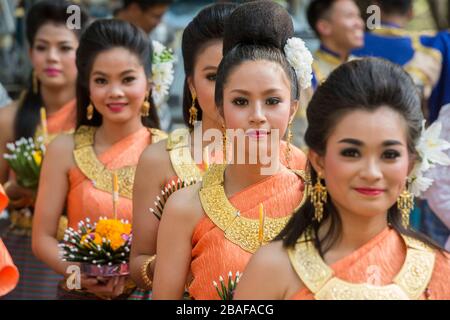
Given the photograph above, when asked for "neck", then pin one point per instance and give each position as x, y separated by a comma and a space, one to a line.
357, 230
55, 98
341, 52
397, 20
111, 133
241, 176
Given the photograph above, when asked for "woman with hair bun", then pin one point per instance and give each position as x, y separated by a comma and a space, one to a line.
116, 122
352, 239
212, 228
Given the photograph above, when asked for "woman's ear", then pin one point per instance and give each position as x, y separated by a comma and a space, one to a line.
317, 162
191, 86
412, 163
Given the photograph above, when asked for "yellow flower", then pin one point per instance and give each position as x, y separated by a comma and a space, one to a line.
37, 156
116, 240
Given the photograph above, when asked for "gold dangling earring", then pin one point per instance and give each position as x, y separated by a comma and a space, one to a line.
318, 198
90, 111
35, 82
193, 111
145, 110
405, 203
288, 145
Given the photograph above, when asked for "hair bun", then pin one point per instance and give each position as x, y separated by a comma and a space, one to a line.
261, 22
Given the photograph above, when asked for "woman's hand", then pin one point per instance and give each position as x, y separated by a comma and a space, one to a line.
19, 196
105, 288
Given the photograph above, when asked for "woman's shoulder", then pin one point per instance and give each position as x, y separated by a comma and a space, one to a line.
7, 116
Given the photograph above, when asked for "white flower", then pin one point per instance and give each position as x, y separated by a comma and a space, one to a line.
158, 48
430, 146
162, 72
301, 60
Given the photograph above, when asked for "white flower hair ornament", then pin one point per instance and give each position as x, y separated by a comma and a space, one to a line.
429, 148
301, 59
162, 71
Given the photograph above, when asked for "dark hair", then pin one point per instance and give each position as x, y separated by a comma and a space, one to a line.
364, 84
104, 35
146, 4
255, 31
208, 25
43, 12
317, 9
395, 6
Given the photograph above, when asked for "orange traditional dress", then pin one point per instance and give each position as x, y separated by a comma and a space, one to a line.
90, 183
9, 275
228, 235
388, 267
37, 281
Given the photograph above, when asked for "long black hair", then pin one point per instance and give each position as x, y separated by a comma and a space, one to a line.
43, 12
364, 84
255, 31
104, 35
207, 26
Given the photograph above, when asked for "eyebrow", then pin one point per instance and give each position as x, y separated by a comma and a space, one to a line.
210, 68
45, 41
245, 92
359, 143
104, 74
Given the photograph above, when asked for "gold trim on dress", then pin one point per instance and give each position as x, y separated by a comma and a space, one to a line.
318, 277
239, 230
180, 156
94, 170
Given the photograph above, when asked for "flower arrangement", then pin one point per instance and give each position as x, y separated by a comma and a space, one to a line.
430, 149
162, 71
25, 159
103, 244
226, 292
301, 59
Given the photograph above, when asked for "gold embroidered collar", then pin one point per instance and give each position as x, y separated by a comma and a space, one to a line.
180, 156
94, 170
240, 230
319, 278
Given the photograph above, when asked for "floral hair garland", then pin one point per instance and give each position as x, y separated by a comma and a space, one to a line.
429, 148
162, 71
301, 60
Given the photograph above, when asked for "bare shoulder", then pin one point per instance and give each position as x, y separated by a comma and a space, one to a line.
184, 206
61, 150
155, 156
7, 116
273, 257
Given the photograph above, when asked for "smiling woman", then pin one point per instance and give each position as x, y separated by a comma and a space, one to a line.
351, 239
114, 126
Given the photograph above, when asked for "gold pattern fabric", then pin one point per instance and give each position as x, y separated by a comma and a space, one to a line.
318, 277
180, 156
240, 230
94, 170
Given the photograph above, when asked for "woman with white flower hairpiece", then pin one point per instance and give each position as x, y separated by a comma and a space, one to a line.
352, 239
211, 229
116, 122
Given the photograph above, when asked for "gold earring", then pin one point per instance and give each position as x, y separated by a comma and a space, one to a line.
193, 111
405, 203
288, 145
35, 82
90, 111
318, 198
145, 110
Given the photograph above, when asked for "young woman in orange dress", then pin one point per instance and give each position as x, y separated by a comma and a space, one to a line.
213, 227
116, 122
202, 47
351, 239
51, 86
